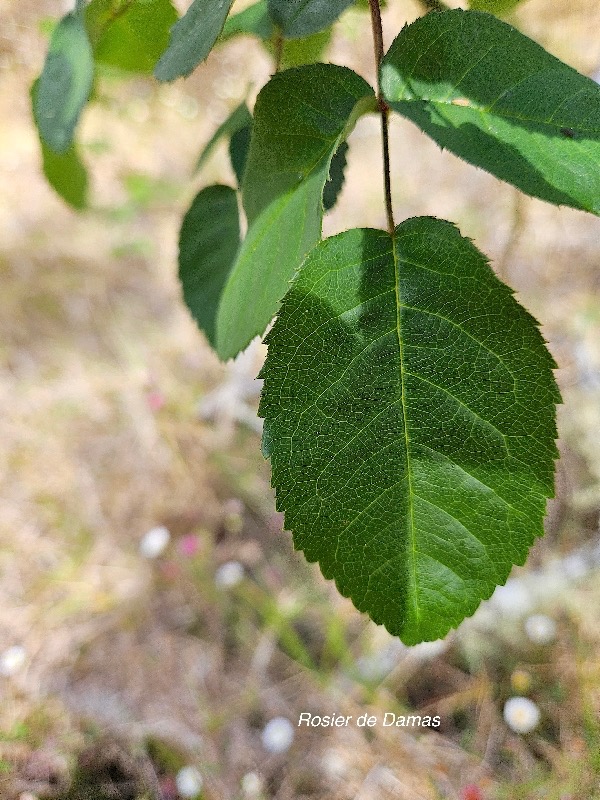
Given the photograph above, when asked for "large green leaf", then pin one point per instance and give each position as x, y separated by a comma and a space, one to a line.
208, 243
192, 38
298, 18
130, 35
300, 117
410, 421
65, 83
501, 102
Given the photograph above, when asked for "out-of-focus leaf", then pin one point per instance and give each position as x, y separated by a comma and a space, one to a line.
208, 244
130, 35
238, 119
297, 52
300, 18
192, 38
254, 21
494, 6
67, 175
65, 83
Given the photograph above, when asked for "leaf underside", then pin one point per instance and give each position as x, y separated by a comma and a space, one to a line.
410, 422
192, 38
299, 18
208, 243
300, 117
64, 86
500, 101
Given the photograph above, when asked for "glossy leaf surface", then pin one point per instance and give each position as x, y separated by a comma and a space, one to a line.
208, 244
300, 117
409, 407
64, 86
500, 101
192, 38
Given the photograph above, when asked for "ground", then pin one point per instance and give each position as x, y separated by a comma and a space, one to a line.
135, 667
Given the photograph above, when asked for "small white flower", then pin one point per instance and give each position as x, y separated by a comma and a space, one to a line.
229, 574
540, 629
251, 784
278, 735
12, 660
189, 782
521, 714
154, 542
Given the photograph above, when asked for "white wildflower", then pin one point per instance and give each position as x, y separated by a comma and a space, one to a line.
278, 735
229, 574
521, 714
154, 542
12, 660
189, 782
540, 629
251, 784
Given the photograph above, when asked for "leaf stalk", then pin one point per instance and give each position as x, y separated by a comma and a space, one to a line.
384, 112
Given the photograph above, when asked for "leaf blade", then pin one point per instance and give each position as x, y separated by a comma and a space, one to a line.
498, 100
192, 38
299, 118
63, 88
300, 18
208, 243
130, 37
414, 458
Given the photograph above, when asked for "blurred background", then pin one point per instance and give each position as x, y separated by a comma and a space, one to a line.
159, 637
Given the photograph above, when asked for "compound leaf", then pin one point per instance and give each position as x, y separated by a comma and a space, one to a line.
299, 18
500, 101
192, 38
208, 244
130, 36
410, 421
300, 117
64, 86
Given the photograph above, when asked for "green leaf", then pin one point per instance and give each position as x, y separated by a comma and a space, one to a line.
499, 7
192, 38
299, 18
501, 102
130, 36
300, 118
410, 421
65, 83
239, 145
254, 21
297, 52
335, 182
65, 172
208, 243
238, 119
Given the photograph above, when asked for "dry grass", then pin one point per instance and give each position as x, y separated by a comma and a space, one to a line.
93, 332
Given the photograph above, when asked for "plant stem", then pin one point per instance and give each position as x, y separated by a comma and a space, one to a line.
278, 48
384, 112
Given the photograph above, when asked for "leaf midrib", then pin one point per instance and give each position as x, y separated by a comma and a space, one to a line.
412, 531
